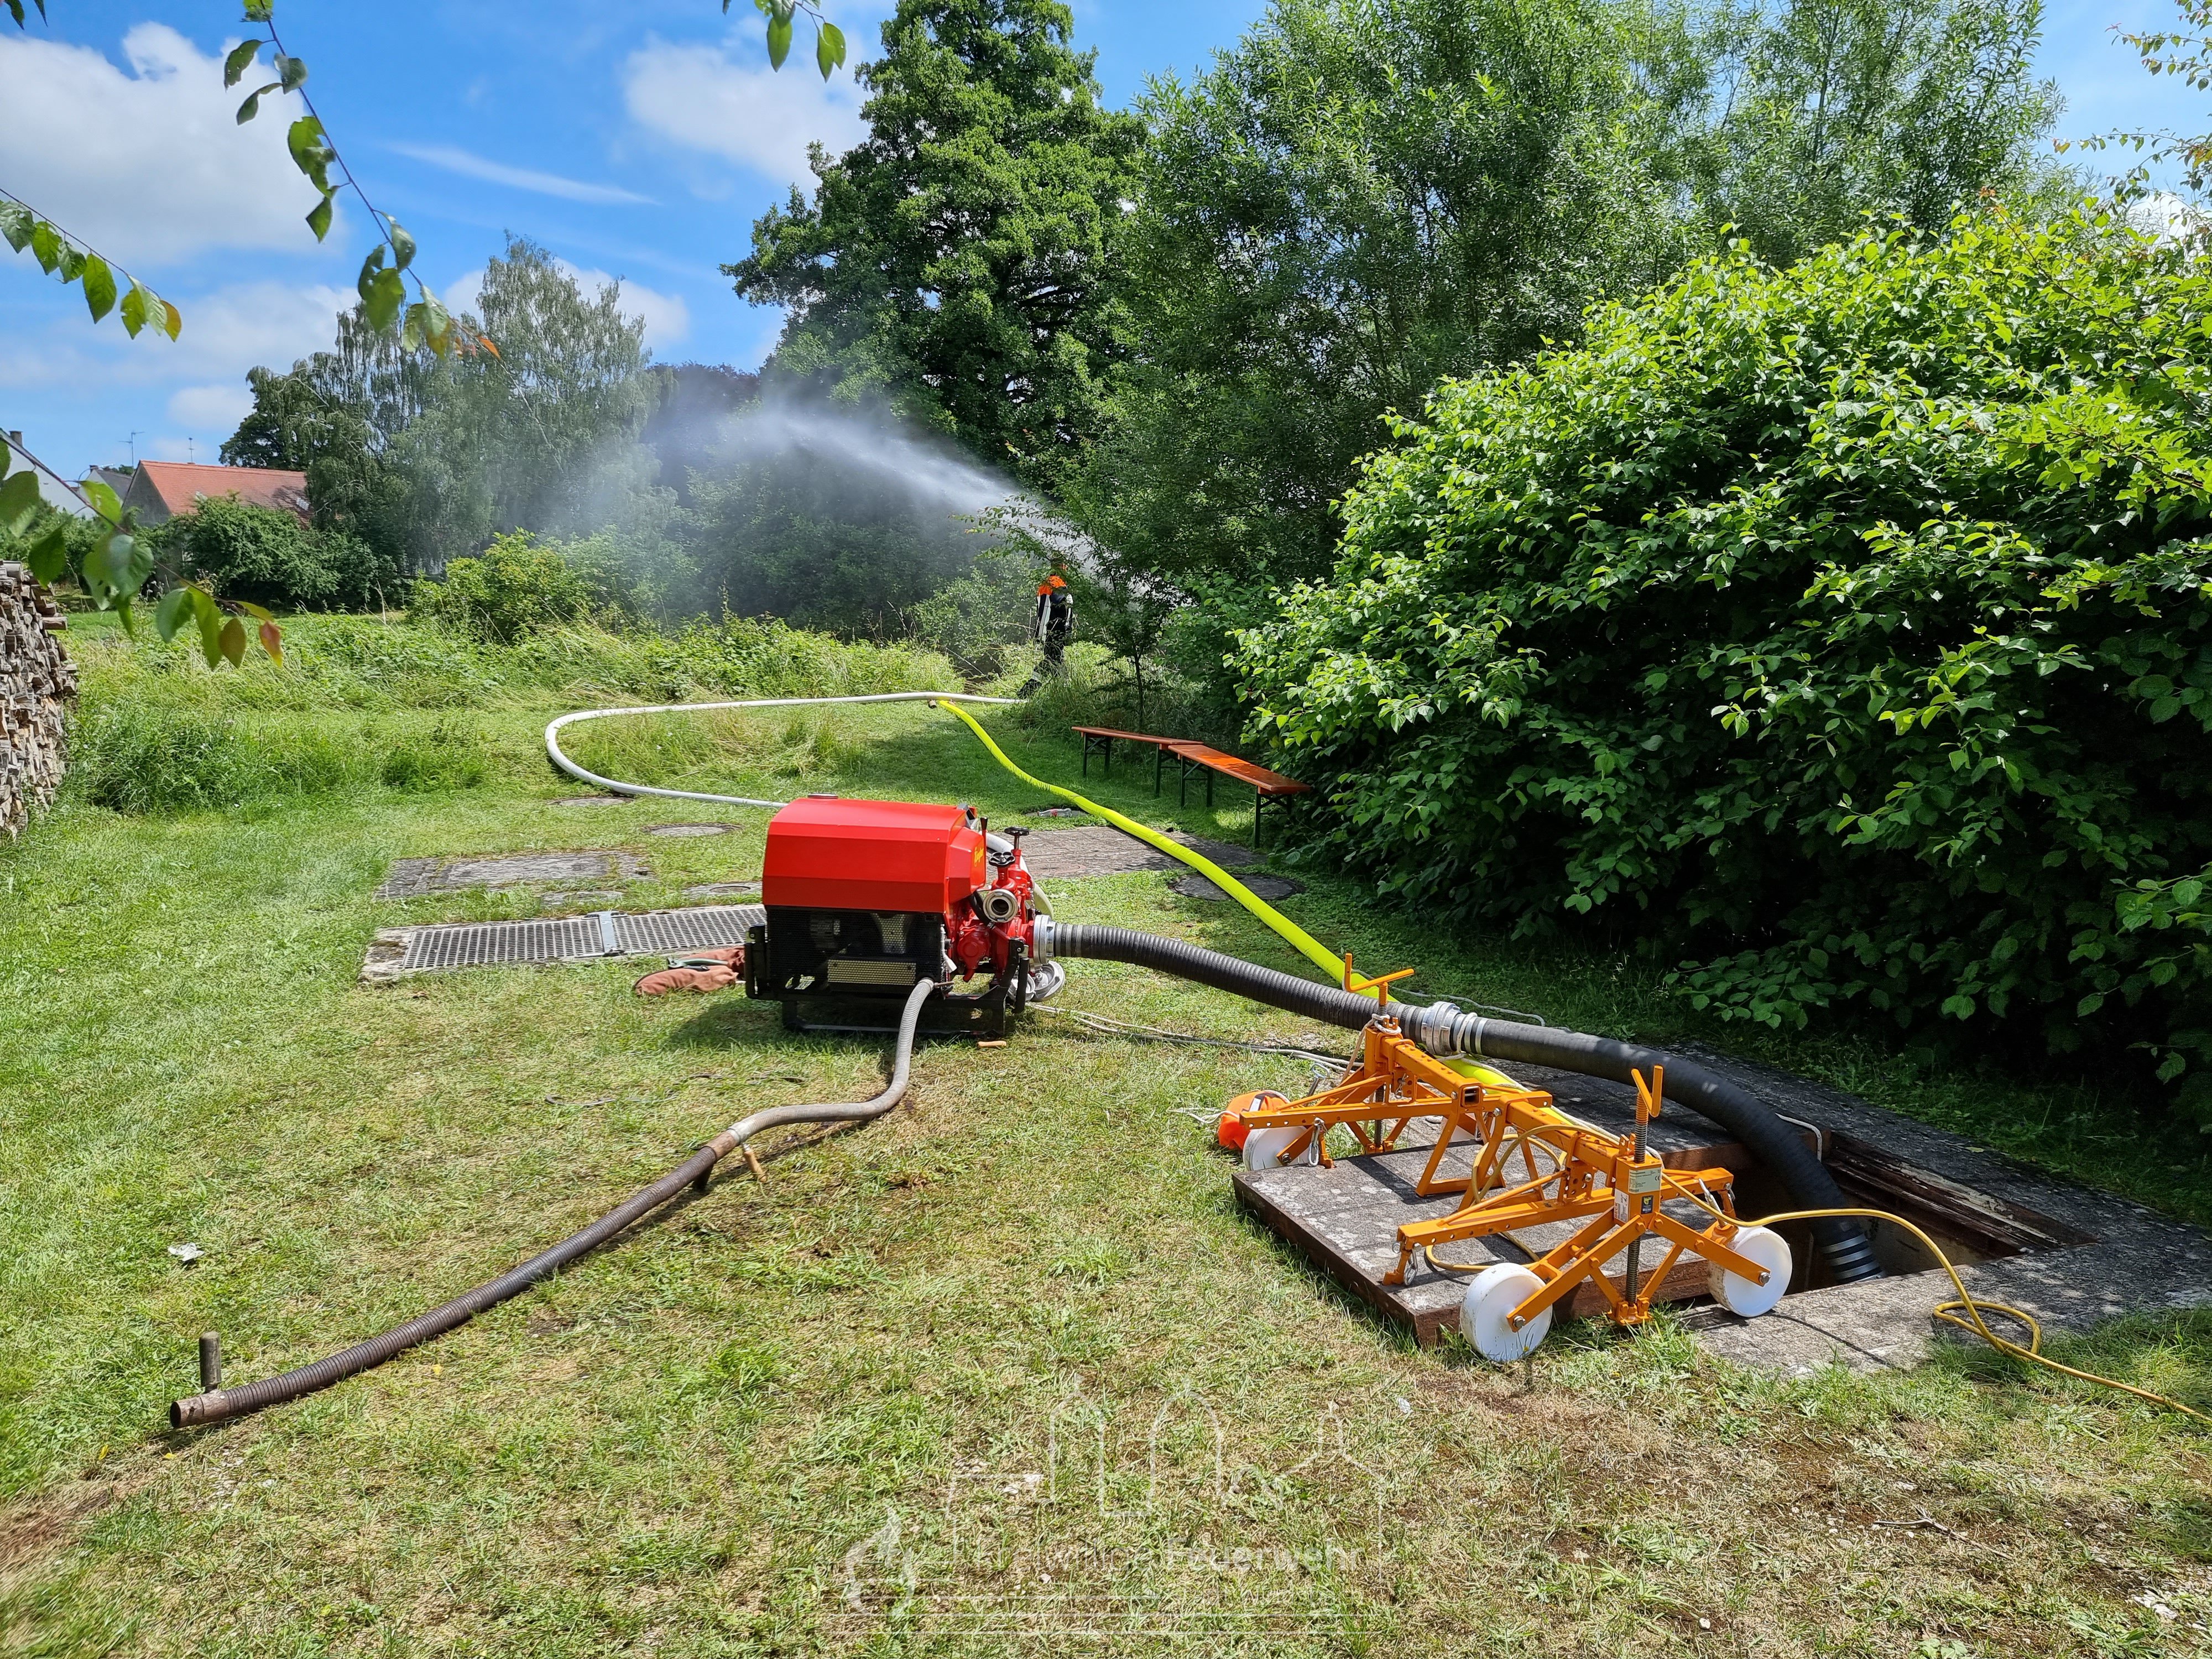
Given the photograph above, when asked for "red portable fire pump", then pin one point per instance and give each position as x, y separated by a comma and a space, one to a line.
865, 898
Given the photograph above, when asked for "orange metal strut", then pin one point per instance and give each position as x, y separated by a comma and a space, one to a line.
1567, 1171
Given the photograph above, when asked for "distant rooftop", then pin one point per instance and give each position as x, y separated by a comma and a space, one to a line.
161, 489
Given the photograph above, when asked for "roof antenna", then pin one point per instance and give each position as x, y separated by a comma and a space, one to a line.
133, 442
192, 454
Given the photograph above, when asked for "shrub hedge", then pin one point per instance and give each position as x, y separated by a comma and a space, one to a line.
1841, 631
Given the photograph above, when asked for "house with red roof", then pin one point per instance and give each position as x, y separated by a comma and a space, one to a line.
162, 489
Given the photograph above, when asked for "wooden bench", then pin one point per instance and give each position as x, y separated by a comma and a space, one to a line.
1266, 785
1100, 740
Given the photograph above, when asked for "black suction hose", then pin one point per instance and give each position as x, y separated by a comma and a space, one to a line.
1443, 1029
219, 1404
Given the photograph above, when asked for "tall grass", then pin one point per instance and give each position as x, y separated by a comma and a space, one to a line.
156, 731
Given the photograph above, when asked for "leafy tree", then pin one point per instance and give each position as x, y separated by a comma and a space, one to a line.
1365, 196
1846, 629
240, 550
691, 405
1821, 112
954, 261
794, 531
541, 435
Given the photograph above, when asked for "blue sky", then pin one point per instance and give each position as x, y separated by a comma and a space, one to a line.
636, 143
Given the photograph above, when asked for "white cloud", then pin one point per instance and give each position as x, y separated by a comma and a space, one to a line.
470, 165
244, 325
696, 98
150, 165
217, 408
667, 320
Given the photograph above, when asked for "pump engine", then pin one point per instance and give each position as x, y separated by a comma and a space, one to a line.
866, 897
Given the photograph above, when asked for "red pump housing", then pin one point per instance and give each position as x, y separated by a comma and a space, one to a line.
866, 897
825, 852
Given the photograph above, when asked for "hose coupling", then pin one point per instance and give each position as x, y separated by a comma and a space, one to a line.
1041, 932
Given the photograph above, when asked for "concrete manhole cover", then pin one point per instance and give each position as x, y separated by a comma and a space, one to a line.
688, 828
714, 889
1266, 886
418, 877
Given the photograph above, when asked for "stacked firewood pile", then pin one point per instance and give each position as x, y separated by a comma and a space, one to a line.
36, 683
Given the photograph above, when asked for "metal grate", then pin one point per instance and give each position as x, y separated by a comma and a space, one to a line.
602, 933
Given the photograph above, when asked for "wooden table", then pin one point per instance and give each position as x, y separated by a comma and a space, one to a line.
1266, 785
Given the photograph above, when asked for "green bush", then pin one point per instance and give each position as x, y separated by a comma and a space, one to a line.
516, 587
260, 554
1847, 629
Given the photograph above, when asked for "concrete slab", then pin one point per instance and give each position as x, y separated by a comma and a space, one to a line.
419, 878
2067, 1254
1098, 849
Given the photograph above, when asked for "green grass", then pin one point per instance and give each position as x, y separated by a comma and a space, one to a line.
1021, 1319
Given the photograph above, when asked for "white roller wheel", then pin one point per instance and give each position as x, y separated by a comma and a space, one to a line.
1492, 1295
1264, 1148
1747, 1298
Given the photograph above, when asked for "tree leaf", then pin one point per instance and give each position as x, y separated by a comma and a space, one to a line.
828, 49
172, 320
169, 614
19, 499
383, 299
252, 106
72, 261
233, 642
778, 39
319, 216
410, 328
48, 556
99, 287
209, 615
311, 152
251, 611
15, 223
272, 642
402, 244
369, 266
103, 499
241, 60
291, 72
45, 245
106, 567
136, 306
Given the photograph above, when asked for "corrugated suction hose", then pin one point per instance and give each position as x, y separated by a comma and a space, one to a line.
219, 1404
1443, 1029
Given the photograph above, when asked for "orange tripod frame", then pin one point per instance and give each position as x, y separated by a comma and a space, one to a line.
1608, 1182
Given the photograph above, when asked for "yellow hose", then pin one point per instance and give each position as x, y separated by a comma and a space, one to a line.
1297, 937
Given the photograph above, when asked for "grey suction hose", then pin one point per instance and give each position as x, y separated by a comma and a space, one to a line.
1443, 1030
218, 1404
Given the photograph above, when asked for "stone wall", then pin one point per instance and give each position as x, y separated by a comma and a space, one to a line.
36, 684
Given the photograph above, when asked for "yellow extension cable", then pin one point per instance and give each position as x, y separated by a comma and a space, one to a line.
1338, 970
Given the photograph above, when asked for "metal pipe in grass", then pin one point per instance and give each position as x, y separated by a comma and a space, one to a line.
1443, 1030
553, 750
217, 1405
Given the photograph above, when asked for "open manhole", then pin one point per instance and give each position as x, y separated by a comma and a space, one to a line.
2070, 1255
